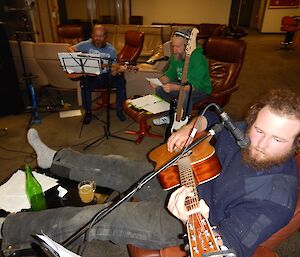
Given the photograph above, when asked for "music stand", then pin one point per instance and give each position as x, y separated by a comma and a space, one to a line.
81, 65
106, 127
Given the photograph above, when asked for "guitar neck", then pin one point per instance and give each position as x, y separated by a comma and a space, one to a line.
201, 238
181, 90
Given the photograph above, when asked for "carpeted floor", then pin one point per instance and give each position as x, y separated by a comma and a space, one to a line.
265, 67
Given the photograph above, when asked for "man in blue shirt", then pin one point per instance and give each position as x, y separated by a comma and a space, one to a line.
97, 45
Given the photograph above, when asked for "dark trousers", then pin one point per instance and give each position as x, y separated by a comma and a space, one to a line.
196, 96
89, 83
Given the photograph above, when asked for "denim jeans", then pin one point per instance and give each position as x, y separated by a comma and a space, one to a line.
145, 223
89, 83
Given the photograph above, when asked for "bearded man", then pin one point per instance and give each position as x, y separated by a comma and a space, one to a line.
98, 44
198, 78
253, 197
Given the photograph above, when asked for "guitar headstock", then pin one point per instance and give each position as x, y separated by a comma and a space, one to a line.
191, 46
201, 237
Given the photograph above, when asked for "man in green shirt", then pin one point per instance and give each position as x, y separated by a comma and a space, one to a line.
198, 78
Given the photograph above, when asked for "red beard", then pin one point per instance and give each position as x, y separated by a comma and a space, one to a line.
268, 162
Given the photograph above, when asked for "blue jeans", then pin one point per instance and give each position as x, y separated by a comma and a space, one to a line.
196, 96
145, 223
89, 83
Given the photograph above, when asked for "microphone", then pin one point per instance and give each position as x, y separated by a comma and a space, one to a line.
241, 139
163, 58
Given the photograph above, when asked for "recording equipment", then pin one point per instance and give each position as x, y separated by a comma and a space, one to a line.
241, 139
163, 58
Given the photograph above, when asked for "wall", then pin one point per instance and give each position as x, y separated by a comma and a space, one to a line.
272, 18
191, 11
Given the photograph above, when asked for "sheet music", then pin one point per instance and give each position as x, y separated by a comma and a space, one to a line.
55, 248
151, 103
71, 62
155, 81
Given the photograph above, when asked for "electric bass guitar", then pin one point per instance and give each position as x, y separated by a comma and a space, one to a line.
178, 119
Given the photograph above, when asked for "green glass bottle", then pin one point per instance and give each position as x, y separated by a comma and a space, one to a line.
34, 191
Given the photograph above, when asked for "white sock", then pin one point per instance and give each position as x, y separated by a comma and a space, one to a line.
44, 153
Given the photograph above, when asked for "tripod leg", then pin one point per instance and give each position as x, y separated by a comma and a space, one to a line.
36, 117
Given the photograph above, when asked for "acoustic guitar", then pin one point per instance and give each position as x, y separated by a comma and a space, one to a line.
205, 163
198, 166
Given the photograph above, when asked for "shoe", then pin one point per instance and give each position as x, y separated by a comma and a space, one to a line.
121, 115
87, 118
162, 120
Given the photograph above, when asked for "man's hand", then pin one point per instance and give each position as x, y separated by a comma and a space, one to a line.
179, 139
119, 70
71, 49
169, 87
177, 206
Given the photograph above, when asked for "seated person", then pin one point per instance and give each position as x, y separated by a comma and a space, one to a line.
97, 45
197, 75
253, 197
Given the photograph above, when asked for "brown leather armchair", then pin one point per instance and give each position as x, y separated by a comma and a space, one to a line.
70, 33
132, 49
226, 58
264, 250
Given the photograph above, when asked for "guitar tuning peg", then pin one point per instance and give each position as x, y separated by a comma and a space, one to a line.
187, 248
182, 236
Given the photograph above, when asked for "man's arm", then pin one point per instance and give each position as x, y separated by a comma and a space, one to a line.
179, 139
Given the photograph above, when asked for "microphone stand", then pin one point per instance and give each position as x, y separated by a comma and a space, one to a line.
137, 186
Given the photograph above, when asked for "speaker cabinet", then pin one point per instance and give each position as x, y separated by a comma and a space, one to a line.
11, 101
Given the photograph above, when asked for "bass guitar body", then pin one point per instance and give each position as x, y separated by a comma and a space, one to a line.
175, 123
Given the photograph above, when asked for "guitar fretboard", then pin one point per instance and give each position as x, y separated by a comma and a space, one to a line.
187, 179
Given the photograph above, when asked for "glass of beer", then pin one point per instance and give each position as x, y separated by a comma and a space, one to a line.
86, 190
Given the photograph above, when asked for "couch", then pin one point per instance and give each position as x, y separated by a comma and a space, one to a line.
42, 61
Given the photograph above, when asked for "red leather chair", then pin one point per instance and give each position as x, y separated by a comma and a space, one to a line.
265, 249
289, 25
226, 58
131, 51
70, 33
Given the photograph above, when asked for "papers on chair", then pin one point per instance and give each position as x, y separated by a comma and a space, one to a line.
71, 113
54, 248
78, 62
154, 81
13, 195
151, 103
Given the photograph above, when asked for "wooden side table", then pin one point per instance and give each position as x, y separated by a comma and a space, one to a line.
141, 116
